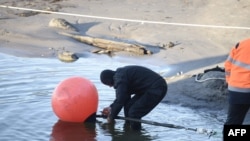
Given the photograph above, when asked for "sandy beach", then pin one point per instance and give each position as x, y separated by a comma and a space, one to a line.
203, 32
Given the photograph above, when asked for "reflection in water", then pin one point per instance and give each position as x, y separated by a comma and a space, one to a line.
67, 131
127, 134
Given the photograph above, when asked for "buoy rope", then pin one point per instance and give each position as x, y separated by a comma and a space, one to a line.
127, 20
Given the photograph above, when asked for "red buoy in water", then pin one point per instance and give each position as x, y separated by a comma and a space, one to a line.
75, 99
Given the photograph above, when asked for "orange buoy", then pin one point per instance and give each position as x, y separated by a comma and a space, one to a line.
75, 99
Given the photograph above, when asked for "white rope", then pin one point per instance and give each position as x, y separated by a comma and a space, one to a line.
197, 80
127, 20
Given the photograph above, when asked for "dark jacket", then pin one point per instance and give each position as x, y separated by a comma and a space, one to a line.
131, 80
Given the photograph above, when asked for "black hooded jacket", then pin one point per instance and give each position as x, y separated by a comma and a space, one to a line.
131, 80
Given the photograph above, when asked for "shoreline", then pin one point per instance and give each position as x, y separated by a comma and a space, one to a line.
28, 34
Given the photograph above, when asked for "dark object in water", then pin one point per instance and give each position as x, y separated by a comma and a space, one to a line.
91, 118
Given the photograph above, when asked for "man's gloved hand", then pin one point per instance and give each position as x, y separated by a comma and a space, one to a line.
106, 113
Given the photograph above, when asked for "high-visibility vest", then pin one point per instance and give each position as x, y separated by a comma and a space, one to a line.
237, 67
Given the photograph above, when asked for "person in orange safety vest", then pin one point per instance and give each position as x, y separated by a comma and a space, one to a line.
237, 71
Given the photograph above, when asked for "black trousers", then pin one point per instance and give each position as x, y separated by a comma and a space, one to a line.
236, 114
141, 104
239, 104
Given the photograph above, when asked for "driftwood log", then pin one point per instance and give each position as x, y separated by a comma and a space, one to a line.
109, 45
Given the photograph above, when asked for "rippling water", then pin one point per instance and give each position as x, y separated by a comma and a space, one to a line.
26, 86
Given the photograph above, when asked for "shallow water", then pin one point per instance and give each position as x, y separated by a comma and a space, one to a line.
26, 87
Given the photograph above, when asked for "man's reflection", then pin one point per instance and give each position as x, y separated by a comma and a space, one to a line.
126, 134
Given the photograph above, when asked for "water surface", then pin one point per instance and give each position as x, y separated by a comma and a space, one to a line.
26, 87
